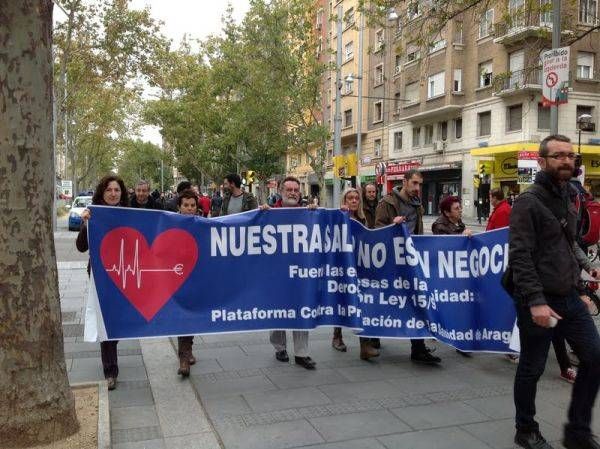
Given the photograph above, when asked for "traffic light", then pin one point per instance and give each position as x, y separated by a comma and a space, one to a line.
482, 169
249, 177
244, 174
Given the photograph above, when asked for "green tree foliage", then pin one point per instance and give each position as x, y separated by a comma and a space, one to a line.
247, 96
103, 53
142, 160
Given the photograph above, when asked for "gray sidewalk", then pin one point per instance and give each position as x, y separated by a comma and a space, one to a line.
239, 396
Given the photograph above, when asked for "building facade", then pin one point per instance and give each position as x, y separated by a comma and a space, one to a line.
463, 104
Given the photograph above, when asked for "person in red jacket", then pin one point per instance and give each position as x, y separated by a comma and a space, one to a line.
501, 213
204, 203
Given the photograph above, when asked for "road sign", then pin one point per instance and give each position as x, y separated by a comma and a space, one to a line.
556, 76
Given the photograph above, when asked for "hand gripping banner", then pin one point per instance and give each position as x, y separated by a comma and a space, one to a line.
158, 273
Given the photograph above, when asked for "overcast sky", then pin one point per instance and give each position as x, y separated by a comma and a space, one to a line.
196, 18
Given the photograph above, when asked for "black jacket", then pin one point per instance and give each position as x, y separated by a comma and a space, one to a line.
543, 256
150, 204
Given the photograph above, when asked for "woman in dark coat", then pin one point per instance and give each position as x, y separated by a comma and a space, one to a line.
110, 191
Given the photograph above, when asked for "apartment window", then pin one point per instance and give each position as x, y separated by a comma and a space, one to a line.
378, 75
585, 65
458, 32
412, 92
583, 110
397, 64
435, 85
543, 119
348, 87
458, 128
486, 23
457, 86
484, 121
516, 11
413, 10
377, 148
398, 28
546, 13
319, 18
397, 102
398, 141
416, 136
348, 117
413, 52
349, 51
349, 20
379, 40
378, 112
437, 45
514, 117
443, 130
428, 134
485, 74
588, 11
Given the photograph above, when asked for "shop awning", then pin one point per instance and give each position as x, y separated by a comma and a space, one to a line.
526, 146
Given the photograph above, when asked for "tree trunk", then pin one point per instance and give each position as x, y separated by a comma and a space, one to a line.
36, 403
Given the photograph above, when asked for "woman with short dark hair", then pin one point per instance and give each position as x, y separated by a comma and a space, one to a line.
110, 191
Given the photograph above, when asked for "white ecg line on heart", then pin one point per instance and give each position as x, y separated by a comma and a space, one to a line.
136, 271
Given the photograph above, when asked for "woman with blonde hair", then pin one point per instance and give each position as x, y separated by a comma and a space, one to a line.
352, 203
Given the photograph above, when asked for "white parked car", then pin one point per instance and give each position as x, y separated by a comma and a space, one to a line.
79, 204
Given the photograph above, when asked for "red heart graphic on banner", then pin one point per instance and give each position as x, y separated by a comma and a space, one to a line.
148, 276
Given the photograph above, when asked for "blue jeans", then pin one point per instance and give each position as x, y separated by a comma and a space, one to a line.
581, 334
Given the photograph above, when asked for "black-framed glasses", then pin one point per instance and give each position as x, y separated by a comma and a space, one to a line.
562, 156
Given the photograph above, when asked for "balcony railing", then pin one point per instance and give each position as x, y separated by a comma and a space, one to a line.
519, 80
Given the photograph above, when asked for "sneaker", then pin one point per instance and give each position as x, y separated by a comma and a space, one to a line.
531, 440
425, 357
569, 375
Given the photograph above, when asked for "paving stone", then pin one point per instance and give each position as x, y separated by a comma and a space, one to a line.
232, 387
231, 405
499, 407
439, 415
430, 383
358, 425
205, 440
147, 444
85, 375
360, 390
132, 373
307, 378
132, 417
237, 362
284, 399
369, 443
449, 438
500, 434
136, 434
371, 371
273, 436
130, 397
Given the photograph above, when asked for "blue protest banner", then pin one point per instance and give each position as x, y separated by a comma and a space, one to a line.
164, 274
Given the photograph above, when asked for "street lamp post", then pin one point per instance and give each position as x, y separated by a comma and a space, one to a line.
337, 130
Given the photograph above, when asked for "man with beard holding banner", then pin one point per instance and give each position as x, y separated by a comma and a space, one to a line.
290, 197
546, 266
404, 206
